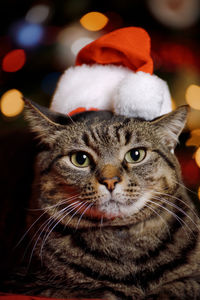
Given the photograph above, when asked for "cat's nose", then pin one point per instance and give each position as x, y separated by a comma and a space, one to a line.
110, 182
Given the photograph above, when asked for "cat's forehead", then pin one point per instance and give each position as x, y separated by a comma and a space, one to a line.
115, 130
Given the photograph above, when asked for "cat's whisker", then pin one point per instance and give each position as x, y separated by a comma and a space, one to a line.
83, 214
66, 200
30, 242
163, 220
44, 226
83, 204
65, 211
37, 220
173, 214
183, 185
59, 213
177, 207
79, 206
171, 196
71, 119
27, 231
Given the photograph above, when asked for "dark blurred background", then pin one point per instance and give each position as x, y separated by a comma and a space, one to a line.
39, 39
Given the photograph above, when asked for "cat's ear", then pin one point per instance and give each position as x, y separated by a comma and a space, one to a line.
170, 126
44, 122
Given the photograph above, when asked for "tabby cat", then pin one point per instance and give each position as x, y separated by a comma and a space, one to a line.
109, 216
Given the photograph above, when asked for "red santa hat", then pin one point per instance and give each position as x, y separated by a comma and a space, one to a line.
114, 73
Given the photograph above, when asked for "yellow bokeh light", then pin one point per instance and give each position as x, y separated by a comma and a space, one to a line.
197, 157
94, 21
192, 96
11, 103
194, 139
199, 193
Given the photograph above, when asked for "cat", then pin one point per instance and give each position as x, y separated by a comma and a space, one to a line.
109, 216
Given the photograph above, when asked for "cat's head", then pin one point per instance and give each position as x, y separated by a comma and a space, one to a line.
98, 167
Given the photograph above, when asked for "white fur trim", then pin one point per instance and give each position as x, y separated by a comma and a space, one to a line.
87, 86
115, 88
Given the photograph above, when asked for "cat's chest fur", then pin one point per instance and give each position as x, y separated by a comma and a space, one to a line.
122, 253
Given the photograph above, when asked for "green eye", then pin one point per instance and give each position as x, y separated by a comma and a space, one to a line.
135, 155
80, 159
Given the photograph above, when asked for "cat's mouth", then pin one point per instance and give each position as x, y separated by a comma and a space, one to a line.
108, 210
111, 208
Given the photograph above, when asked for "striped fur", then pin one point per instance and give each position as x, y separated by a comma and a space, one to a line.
138, 241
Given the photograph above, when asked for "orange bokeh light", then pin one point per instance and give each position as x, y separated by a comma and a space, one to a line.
11, 103
94, 21
14, 60
194, 139
193, 96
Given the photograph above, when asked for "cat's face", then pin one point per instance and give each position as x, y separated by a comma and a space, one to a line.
104, 168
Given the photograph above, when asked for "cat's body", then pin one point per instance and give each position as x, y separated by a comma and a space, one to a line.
118, 223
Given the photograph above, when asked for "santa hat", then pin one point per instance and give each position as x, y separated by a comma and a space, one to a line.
114, 73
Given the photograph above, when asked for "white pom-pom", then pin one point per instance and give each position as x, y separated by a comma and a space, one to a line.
142, 95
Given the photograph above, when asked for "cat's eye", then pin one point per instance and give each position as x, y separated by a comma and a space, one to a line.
80, 159
135, 155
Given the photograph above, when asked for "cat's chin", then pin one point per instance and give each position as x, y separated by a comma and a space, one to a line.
109, 211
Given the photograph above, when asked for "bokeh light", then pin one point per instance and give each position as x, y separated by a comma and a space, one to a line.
38, 13
78, 44
199, 193
70, 40
197, 157
94, 21
11, 104
194, 139
173, 103
175, 13
192, 96
27, 34
14, 60
193, 120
